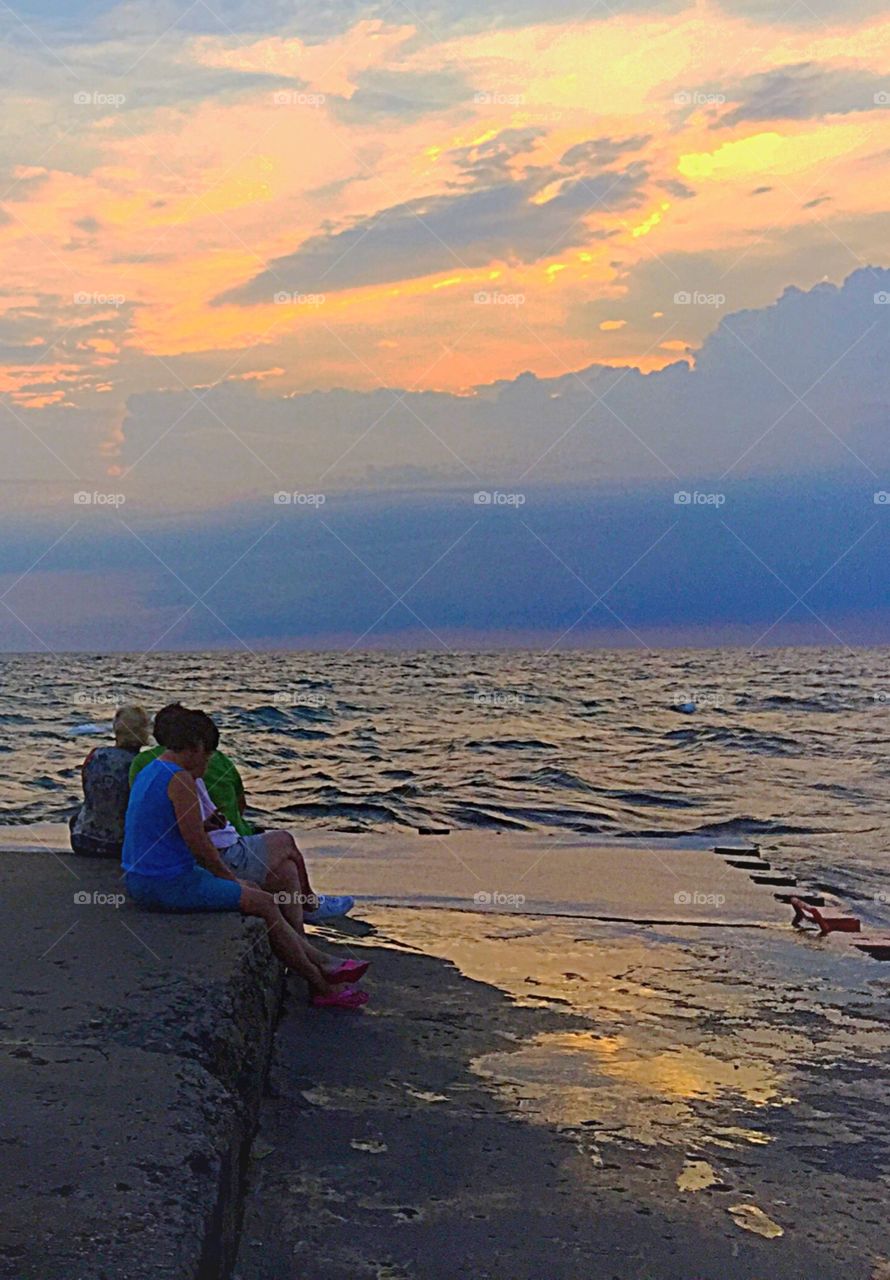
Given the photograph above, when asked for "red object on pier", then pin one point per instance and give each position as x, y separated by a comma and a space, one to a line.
827, 924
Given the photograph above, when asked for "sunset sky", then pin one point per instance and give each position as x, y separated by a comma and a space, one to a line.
395, 256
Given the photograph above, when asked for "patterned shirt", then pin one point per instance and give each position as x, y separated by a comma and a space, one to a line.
106, 791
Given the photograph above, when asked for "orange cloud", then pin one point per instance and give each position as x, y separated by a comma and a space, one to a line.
192, 200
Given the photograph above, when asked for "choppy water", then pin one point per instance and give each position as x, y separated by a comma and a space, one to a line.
790, 747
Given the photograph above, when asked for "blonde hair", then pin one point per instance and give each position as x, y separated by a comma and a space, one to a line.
132, 727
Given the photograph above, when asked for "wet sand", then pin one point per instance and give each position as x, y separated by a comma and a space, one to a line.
530, 1098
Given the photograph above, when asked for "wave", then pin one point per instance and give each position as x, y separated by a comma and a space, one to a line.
334, 810
746, 826
472, 815
827, 702
268, 716
740, 737
361, 742
657, 799
552, 777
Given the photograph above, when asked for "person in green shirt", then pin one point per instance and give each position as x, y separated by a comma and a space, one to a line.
226, 790
222, 780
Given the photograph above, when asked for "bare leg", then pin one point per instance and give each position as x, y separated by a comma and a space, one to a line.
300, 863
282, 846
283, 879
288, 945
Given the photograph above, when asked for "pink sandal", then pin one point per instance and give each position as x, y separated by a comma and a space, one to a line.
345, 998
348, 971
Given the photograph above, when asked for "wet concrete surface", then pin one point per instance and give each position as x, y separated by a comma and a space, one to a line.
531, 1099
539, 874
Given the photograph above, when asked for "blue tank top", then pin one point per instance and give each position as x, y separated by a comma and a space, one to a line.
153, 845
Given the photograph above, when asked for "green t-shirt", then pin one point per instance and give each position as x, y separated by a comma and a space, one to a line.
222, 780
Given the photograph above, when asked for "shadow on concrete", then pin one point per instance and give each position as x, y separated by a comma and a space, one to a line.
383, 1156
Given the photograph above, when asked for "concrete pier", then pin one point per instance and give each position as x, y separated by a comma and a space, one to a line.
670, 1009
132, 1057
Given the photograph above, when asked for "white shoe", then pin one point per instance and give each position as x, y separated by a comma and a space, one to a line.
328, 908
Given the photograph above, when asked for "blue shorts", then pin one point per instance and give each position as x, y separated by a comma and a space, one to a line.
195, 890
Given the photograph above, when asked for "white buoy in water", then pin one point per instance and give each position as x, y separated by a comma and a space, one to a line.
78, 729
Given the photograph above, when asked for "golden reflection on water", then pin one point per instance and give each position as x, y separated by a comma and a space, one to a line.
673, 1054
679, 1054
673, 1073
627, 1088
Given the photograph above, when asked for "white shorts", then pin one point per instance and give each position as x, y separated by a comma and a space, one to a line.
248, 859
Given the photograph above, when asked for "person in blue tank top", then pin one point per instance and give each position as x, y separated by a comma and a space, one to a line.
171, 864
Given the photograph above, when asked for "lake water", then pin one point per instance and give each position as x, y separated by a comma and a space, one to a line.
789, 747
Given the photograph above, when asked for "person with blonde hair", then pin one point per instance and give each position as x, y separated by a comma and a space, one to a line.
97, 829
